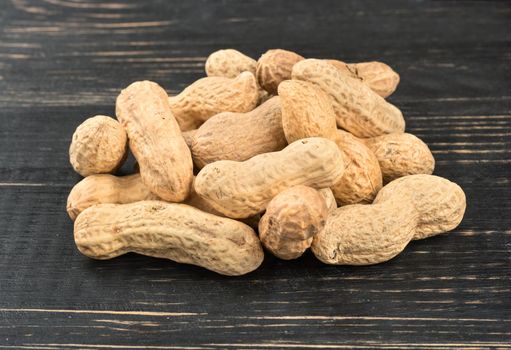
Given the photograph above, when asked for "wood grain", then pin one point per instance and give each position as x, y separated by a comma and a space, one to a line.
62, 61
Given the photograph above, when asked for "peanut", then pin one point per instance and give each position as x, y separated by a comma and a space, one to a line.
328, 197
412, 207
292, 219
275, 66
99, 145
168, 230
358, 109
380, 77
188, 136
240, 136
103, 188
306, 111
155, 140
400, 155
229, 63
242, 189
212, 95
362, 177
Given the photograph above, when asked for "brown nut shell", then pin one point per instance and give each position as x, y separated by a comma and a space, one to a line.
155, 139
99, 146
240, 136
212, 95
168, 230
275, 66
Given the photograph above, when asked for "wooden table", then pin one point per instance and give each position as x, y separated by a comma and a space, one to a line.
62, 61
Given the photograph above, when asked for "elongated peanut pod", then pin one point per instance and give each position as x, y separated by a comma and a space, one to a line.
380, 77
212, 95
168, 230
401, 154
242, 189
240, 136
103, 188
292, 219
164, 159
358, 109
412, 207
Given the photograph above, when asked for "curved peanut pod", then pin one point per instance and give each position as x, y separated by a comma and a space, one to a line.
358, 109
240, 136
212, 95
412, 207
275, 66
292, 219
229, 63
400, 155
103, 188
155, 139
380, 77
362, 177
242, 189
168, 230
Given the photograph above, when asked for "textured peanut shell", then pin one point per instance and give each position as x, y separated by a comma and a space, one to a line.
188, 136
212, 95
362, 177
103, 188
99, 145
380, 77
242, 189
275, 66
358, 109
306, 111
328, 197
412, 207
400, 155
155, 139
229, 63
292, 219
168, 230
240, 136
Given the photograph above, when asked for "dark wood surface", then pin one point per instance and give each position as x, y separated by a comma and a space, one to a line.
62, 61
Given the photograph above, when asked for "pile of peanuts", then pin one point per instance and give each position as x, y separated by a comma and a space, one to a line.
284, 153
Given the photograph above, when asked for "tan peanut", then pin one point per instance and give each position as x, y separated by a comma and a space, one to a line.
306, 111
99, 146
168, 230
328, 197
275, 66
188, 136
103, 188
362, 177
155, 140
242, 189
358, 109
412, 207
240, 136
292, 219
380, 77
400, 155
229, 63
212, 95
